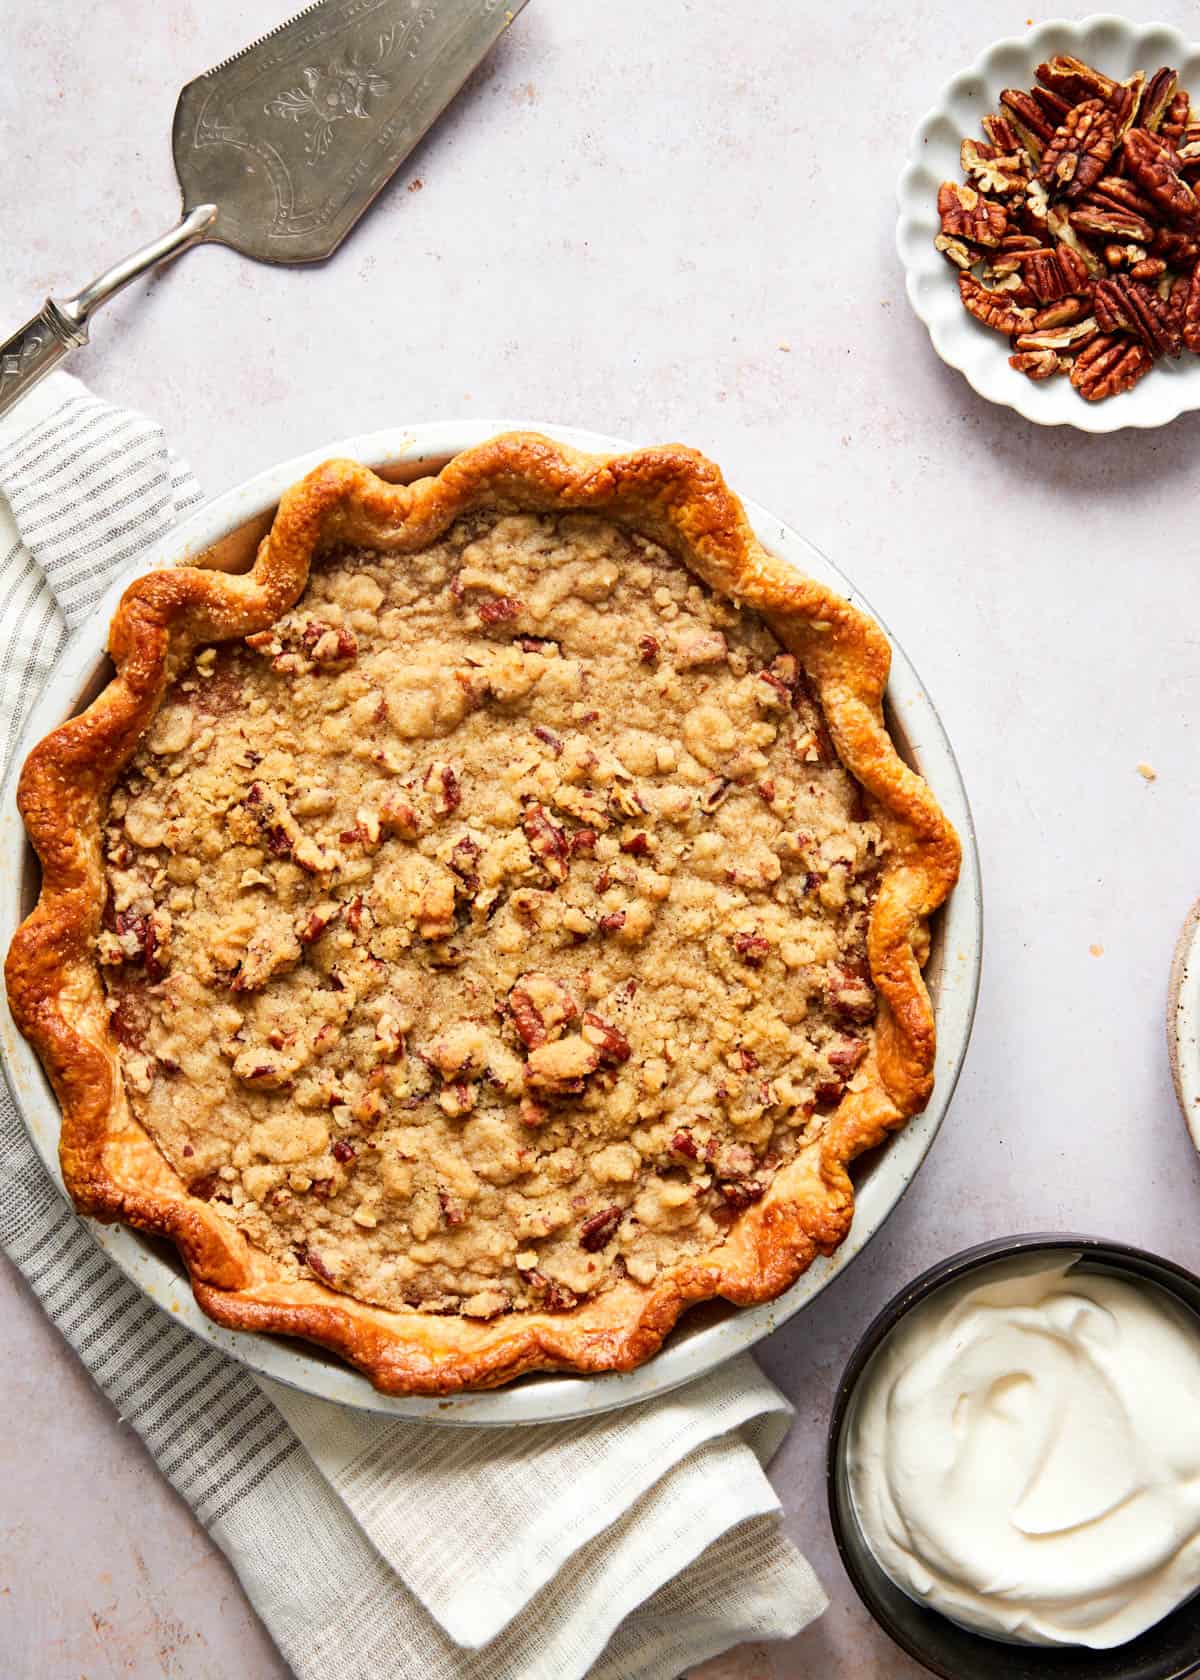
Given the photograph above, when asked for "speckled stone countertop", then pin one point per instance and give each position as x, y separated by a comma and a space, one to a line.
670, 222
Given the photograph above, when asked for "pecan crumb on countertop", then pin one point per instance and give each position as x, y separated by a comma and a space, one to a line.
492, 928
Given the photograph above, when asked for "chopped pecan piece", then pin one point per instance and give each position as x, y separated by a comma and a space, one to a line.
739, 1193
501, 610
464, 855
613, 922
956, 251
441, 780
714, 794
1076, 157
328, 644
683, 1143
1109, 365
549, 739
552, 1297
845, 1054
398, 815
991, 308
1037, 364
699, 647
1153, 164
315, 1264
317, 920
966, 214
547, 841
598, 1229
850, 997
607, 1039
648, 649
540, 1007
752, 948
343, 1152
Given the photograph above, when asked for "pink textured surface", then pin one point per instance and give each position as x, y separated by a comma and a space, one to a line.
629, 214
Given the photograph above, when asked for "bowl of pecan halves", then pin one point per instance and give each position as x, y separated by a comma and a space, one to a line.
1050, 224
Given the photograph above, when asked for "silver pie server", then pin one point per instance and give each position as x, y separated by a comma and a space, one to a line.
281, 148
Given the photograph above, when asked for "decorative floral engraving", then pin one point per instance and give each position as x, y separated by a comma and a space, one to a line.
327, 97
345, 87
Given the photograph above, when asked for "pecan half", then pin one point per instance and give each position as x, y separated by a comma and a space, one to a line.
966, 214
1109, 221
992, 171
1136, 306
1025, 116
1109, 365
1178, 115
1058, 338
1154, 166
1053, 275
1078, 154
1157, 98
1075, 80
991, 308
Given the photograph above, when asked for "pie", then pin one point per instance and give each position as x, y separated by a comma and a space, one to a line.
490, 924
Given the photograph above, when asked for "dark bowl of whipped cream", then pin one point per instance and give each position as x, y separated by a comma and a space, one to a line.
1014, 1464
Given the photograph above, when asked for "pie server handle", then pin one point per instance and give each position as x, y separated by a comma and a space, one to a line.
61, 325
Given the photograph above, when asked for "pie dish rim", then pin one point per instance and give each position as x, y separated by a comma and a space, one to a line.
220, 517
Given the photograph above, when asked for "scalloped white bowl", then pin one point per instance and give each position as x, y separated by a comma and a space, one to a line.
1116, 46
709, 1334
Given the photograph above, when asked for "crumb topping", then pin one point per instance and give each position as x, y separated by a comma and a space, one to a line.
493, 926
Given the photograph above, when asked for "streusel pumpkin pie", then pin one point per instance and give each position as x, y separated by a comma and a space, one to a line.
490, 924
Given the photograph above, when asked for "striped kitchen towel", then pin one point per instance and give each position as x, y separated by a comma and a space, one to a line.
627, 1546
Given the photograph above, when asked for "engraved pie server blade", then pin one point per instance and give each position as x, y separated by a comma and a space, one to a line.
281, 148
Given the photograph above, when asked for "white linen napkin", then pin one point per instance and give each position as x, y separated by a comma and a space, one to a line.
628, 1546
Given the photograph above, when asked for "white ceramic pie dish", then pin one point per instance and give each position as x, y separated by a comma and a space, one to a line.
710, 1334
1116, 46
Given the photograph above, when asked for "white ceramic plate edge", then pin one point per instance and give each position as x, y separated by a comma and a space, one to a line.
1116, 46
687, 1354
1183, 1021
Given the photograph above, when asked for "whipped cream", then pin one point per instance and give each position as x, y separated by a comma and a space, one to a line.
1024, 1454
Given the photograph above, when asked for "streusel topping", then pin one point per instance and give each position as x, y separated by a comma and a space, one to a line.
494, 926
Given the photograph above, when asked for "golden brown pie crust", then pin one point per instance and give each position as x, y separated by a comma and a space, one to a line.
113, 1169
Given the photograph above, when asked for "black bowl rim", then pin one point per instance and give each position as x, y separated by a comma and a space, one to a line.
946, 1271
